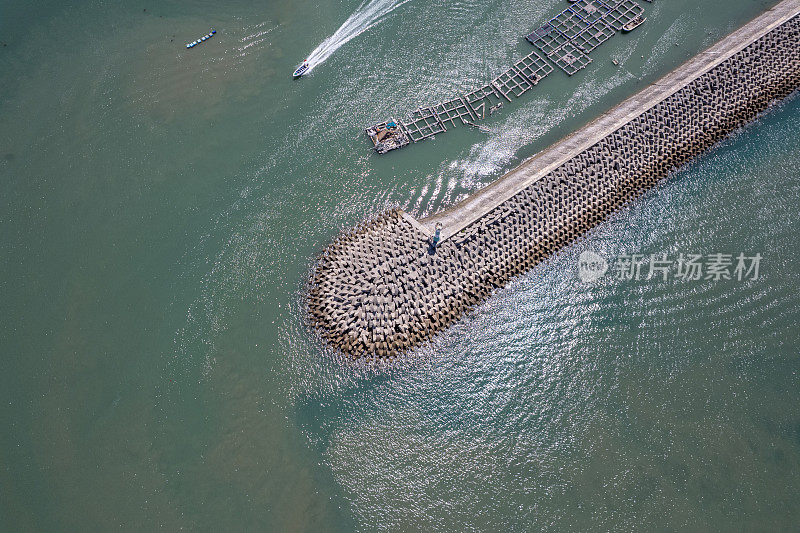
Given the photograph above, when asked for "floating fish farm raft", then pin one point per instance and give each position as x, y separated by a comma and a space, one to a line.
565, 41
388, 285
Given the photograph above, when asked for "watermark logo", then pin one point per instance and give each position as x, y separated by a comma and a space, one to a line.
591, 266
662, 266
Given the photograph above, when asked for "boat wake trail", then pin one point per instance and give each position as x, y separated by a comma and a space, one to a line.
368, 13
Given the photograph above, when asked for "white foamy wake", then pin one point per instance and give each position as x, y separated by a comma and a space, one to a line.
368, 13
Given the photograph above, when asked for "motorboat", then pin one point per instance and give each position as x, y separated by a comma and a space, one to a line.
302, 69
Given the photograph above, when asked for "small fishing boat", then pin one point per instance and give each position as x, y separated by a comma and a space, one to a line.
302, 69
201, 39
633, 24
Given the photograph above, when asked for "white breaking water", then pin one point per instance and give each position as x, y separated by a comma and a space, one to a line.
366, 15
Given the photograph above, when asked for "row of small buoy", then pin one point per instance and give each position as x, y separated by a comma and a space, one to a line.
201, 39
383, 288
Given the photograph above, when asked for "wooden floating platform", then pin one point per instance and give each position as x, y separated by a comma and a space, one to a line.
387, 136
565, 40
624, 13
570, 36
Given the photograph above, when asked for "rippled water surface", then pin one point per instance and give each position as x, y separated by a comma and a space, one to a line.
161, 208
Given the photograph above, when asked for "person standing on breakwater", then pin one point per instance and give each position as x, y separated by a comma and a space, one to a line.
434, 241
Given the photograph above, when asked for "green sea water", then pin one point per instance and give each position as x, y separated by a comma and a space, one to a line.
160, 211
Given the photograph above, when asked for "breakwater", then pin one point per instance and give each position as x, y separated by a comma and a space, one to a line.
381, 288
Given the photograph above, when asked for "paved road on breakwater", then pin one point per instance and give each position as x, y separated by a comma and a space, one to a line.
479, 204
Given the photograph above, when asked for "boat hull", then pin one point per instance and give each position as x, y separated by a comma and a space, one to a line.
633, 25
303, 69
